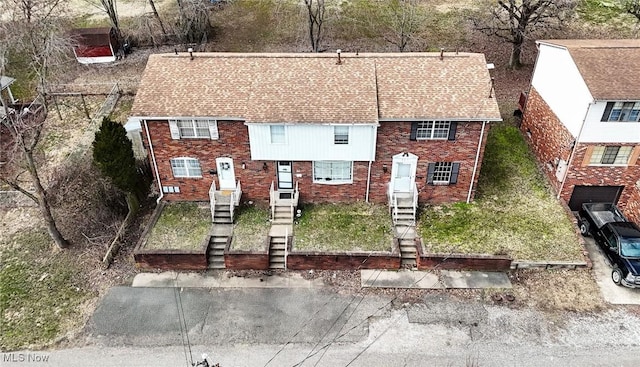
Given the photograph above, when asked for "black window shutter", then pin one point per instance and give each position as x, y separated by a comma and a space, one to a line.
414, 131
607, 111
452, 130
430, 169
455, 168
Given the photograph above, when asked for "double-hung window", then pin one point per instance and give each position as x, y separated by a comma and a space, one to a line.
622, 111
341, 134
335, 172
442, 173
610, 155
186, 167
189, 128
433, 130
278, 134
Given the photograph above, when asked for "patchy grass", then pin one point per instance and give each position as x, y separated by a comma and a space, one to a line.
251, 229
600, 11
344, 227
181, 226
514, 214
41, 294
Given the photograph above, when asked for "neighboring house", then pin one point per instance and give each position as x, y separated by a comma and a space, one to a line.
582, 118
95, 45
321, 127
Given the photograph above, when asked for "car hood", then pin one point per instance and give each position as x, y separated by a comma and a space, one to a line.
633, 265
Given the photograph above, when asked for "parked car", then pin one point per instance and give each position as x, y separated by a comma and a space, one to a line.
618, 238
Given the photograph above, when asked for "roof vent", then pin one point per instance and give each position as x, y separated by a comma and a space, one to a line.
190, 50
339, 51
441, 54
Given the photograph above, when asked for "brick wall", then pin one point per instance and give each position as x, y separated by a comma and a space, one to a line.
246, 261
582, 174
632, 209
342, 261
549, 139
547, 136
171, 260
393, 138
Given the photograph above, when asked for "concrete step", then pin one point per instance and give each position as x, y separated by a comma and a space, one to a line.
216, 262
408, 255
282, 221
216, 252
276, 246
276, 252
409, 263
222, 220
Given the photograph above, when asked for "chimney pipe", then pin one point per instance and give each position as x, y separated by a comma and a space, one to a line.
441, 54
339, 51
190, 50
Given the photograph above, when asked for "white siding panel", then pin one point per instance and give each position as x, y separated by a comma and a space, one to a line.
596, 131
558, 81
312, 142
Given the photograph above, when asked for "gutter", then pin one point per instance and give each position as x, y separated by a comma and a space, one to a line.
155, 164
374, 132
475, 165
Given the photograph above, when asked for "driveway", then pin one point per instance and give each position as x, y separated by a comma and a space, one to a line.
611, 293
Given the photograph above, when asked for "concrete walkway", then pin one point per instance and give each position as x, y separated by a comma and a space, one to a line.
369, 279
432, 280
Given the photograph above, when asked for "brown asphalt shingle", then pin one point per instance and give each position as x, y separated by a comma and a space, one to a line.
313, 88
610, 68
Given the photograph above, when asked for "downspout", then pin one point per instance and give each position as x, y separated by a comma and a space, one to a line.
475, 165
573, 152
155, 165
371, 158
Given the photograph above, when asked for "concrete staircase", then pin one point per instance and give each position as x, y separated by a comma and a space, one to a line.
221, 232
217, 244
406, 236
277, 245
404, 214
404, 220
282, 213
222, 212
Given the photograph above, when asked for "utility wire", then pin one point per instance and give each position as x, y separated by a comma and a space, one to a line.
373, 314
184, 332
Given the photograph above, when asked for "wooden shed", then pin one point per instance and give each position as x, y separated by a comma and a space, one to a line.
95, 45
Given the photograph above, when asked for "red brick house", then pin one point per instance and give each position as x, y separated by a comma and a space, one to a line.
318, 127
582, 119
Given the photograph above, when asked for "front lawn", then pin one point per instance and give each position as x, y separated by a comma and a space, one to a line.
42, 291
181, 226
514, 212
251, 228
343, 227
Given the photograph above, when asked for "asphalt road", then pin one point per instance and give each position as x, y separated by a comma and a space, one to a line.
320, 327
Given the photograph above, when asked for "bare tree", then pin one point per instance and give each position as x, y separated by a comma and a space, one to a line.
157, 16
315, 16
403, 18
110, 7
194, 25
515, 20
32, 29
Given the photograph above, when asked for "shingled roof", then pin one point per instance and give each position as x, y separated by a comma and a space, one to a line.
610, 68
314, 88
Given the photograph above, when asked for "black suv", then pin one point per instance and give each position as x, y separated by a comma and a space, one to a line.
620, 242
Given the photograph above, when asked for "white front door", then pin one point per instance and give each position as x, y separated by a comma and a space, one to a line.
285, 175
226, 175
403, 172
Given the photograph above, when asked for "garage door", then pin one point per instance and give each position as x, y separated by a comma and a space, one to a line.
594, 194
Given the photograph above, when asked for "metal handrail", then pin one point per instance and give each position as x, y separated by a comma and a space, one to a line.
272, 201
394, 214
415, 201
286, 243
212, 198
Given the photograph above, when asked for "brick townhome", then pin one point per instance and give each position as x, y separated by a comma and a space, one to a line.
329, 128
582, 120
